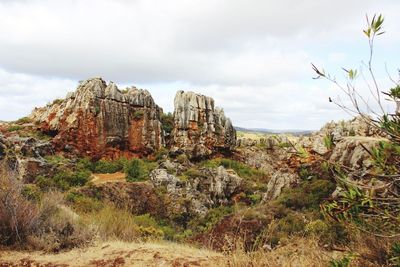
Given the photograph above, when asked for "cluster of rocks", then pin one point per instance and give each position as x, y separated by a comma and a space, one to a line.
350, 142
211, 187
25, 156
99, 120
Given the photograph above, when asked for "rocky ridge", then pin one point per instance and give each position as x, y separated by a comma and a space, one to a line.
100, 121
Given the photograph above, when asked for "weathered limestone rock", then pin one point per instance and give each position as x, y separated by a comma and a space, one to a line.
337, 131
25, 156
212, 187
160, 177
200, 128
354, 152
98, 120
279, 181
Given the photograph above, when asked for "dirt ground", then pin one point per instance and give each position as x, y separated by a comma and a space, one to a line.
98, 178
113, 254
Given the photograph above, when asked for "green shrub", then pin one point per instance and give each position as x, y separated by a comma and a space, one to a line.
167, 122
57, 101
308, 195
108, 166
328, 141
135, 171
316, 227
292, 223
138, 115
15, 128
31, 192
255, 198
394, 254
83, 203
63, 180
343, 262
85, 164
56, 160
161, 153
192, 173
213, 216
182, 158
146, 220
23, 120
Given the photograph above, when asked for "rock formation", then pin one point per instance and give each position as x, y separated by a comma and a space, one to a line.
24, 156
210, 188
280, 180
199, 127
98, 120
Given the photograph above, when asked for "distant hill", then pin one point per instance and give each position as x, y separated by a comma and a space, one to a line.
274, 131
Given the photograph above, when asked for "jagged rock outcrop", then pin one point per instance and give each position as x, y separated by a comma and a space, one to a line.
99, 120
337, 131
211, 187
25, 156
199, 127
354, 152
280, 180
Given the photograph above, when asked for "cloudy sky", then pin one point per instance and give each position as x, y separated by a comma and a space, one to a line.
253, 57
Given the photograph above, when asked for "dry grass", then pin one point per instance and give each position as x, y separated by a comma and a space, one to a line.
298, 252
113, 224
119, 254
99, 178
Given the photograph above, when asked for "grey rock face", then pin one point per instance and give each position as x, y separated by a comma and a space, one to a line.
25, 156
199, 127
211, 188
278, 182
353, 151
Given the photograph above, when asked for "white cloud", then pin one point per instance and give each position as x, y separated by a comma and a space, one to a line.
252, 56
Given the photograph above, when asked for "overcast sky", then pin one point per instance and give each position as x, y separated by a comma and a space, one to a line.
252, 56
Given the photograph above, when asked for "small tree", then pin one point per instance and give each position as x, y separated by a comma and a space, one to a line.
135, 171
358, 203
18, 216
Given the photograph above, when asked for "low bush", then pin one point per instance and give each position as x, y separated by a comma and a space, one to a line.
56, 160
15, 128
138, 170
82, 203
46, 224
119, 224
63, 180
59, 228
138, 115
23, 120
18, 216
32, 192
308, 195
106, 166
213, 216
